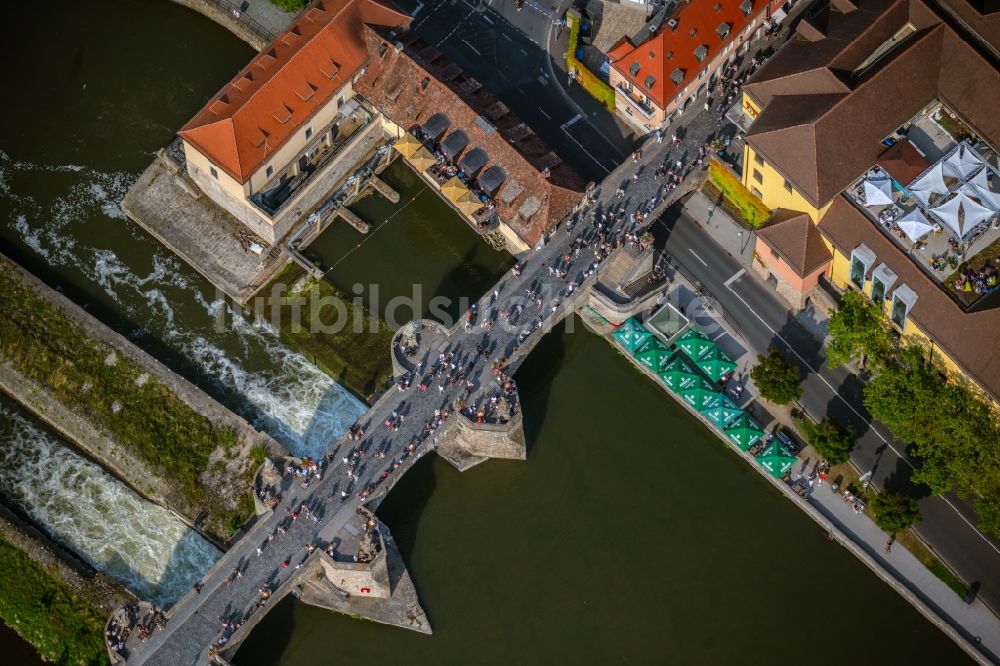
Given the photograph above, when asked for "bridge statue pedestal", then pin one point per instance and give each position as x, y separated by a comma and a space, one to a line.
380, 590
468, 443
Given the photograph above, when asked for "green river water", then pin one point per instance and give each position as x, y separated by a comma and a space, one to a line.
631, 534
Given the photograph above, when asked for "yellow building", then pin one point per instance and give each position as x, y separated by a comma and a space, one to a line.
871, 116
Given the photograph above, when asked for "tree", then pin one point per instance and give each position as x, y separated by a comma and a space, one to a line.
894, 511
830, 439
776, 379
858, 330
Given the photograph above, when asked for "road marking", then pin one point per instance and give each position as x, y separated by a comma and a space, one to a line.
596, 161
487, 19
472, 47
506, 36
523, 52
569, 123
542, 111
735, 277
416, 10
702, 261
823, 379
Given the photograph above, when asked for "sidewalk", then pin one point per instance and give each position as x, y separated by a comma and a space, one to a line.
736, 239
975, 619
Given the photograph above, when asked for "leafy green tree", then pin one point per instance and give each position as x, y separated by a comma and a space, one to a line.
954, 433
832, 440
858, 330
894, 512
776, 379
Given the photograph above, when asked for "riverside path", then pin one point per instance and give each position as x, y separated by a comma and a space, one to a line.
550, 281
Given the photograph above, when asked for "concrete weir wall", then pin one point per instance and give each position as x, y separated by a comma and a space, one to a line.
114, 455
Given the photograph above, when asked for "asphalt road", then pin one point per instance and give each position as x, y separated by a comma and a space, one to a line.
511, 62
763, 321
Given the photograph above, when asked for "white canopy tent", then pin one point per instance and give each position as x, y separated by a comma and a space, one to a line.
961, 213
915, 225
931, 182
982, 185
878, 190
964, 162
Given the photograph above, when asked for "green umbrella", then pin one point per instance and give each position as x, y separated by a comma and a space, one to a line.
694, 343
700, 395
776, 460
744, 431
678, 374
653, 355
631, 334
716, 364
721, 411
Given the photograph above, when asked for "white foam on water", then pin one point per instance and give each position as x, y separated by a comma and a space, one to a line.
285, 394
81, 506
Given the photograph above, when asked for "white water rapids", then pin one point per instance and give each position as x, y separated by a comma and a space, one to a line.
78, 229
81, 506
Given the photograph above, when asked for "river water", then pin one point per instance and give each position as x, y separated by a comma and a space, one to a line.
629, 534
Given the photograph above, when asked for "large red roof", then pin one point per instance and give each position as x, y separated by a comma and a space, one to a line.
286, 83
672, 49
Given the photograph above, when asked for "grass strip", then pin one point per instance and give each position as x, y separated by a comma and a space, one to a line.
47, 613
113, 392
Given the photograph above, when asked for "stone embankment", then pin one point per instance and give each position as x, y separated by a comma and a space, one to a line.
225, 481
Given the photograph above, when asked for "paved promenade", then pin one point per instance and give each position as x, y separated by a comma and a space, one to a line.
975, 619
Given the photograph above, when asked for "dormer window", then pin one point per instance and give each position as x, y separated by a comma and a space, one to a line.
903, 300
746, 7
652, 55
650, 80
634, 69
723, 30
677, 76
701, 53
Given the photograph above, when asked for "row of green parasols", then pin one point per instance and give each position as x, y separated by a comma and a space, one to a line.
682, 379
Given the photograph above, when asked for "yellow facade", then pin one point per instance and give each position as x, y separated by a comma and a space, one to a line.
840, 276
774, 189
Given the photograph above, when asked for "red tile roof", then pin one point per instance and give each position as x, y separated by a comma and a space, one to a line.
411, 82
672, 50
285, 84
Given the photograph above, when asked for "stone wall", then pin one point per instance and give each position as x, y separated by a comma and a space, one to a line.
492, 440
354, 578
117, 456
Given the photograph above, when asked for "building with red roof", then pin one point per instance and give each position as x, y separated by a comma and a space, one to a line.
655, 75
257, 148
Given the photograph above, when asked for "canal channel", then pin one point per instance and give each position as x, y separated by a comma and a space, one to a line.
629, 534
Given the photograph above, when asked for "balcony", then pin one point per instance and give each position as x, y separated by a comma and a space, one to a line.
643, 108
282, 188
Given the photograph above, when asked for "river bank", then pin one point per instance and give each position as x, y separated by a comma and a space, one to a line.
51, 599
155, 431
